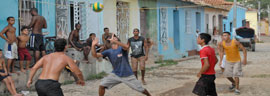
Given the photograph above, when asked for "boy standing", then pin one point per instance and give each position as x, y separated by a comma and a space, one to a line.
233, 66
10, 46
22, 50
206, 84
6, 78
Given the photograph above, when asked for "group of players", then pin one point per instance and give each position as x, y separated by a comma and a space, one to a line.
117, 53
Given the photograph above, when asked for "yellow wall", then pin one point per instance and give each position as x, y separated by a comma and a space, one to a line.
264, 28
251, 16
110, 15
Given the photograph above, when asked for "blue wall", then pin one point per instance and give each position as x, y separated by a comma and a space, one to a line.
45, 9
8, 8
187, 40
241, 15
48, 11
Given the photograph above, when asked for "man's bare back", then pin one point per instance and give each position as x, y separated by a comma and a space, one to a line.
10, 33
37, 23
52, 67
23, 41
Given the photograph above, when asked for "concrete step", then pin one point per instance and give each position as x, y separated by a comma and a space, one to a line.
94, 66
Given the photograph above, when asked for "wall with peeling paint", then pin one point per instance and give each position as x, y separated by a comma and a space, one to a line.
149, 23
12, 11
188, 40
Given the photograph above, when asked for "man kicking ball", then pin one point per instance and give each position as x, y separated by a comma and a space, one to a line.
122, 72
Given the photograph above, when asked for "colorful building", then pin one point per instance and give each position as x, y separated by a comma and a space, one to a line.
252, 18
177, 24
265, 27
121, 16
20, 9
240, 21
214, 13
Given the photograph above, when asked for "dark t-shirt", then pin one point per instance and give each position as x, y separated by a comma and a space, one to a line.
137, 47
119, 59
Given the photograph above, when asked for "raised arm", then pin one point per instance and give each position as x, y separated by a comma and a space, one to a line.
33, 71
114, 40
244, 51
76, 71
93, 49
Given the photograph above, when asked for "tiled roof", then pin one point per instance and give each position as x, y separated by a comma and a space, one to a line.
219, 4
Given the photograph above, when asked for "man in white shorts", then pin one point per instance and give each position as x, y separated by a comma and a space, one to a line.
233, 66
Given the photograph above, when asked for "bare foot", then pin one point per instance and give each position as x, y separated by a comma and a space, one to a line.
15, 72
22, 70
86, 61
18, 95
143, 82
28, 69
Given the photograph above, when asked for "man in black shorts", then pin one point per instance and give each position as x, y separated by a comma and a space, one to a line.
52, 65
36, 40
139, 53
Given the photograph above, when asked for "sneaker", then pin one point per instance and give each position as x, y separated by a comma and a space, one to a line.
232, 87
237, 92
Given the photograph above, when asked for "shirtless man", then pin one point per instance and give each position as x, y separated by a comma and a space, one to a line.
52, 65
6, 78
74, 40
104, 36
37, 24
22, 50
10, 46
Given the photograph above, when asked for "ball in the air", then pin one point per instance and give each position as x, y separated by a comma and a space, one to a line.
97, 7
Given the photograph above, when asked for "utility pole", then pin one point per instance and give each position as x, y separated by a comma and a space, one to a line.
259, 23
234, 18
268, 10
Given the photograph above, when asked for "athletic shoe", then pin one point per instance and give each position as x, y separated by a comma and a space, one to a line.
237, 92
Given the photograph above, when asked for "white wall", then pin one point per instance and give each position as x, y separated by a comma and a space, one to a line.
211, 13
109, 15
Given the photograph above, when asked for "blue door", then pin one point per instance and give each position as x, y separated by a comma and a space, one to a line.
176, 29
198, 21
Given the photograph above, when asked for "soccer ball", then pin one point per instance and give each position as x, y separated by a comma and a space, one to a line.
97, 7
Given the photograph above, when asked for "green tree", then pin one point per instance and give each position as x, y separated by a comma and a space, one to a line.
254, 4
